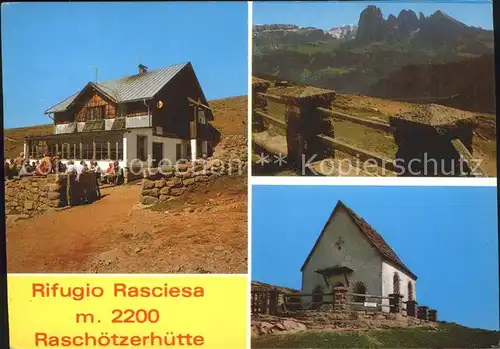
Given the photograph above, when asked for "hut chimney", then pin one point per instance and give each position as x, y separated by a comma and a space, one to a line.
142, 69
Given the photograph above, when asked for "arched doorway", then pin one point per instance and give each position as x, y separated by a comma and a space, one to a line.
360, 289
395, 284
317, 298
410, 291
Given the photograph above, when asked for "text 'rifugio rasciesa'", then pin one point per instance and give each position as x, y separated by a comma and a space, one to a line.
119, 290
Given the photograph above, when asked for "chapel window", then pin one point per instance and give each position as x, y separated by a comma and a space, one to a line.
360, 290
410, 291
395, 283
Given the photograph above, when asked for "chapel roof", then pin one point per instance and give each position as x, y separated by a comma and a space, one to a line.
372, 236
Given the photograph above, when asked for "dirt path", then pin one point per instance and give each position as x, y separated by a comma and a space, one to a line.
204, 232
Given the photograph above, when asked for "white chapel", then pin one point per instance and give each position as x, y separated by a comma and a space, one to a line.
350, 253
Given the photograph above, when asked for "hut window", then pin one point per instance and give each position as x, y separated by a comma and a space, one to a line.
201, 117
395, 283
178, 153
360, 289
87, 151
101, 150
119, 151
113, 155
410, 291
141, 147
94, 113
67, 150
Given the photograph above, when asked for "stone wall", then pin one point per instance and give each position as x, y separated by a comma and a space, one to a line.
231, 147
171, 182
263, 324
34, 194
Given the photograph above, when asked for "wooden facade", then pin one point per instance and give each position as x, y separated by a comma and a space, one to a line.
112, 121
170, 108
176, 114
106, 145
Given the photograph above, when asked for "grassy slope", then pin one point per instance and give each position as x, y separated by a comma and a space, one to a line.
446, 336
230, 118
230, 115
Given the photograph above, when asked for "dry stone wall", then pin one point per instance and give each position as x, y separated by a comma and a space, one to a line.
232, 147
33, 194
263, 324
171, 182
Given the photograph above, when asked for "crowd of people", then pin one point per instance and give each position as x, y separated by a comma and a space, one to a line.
46, 164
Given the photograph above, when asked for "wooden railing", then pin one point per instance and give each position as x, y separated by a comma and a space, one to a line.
299, 131
329, 141
268, 301
349, 294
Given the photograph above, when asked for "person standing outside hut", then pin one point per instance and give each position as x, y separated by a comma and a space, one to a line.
108, 176
79, 168
25, 169
45, 166
119, 173
58, 164
94, 167
6, 169
13, 170
71, 167
20, 160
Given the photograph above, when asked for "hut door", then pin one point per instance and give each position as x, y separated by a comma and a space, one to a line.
157, 153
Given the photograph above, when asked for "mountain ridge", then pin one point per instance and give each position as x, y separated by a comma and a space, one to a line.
379, 47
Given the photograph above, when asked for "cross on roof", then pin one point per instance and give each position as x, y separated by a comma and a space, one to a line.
339, 243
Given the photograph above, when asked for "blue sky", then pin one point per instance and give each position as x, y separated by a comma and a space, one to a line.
334, 14
48, 48
446, 235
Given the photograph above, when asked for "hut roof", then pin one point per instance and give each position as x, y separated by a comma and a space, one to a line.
435, 115
129, 88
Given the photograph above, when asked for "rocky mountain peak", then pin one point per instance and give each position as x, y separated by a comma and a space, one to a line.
406, 26
343, 32
408, 17
392, 21
371, 25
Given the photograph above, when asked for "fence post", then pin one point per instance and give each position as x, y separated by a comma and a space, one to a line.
307, 122
258, 86
432, 315
294, 139
265, 302
423, 313
339, 298
411, 308
395, 302
273, 302
68, 190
